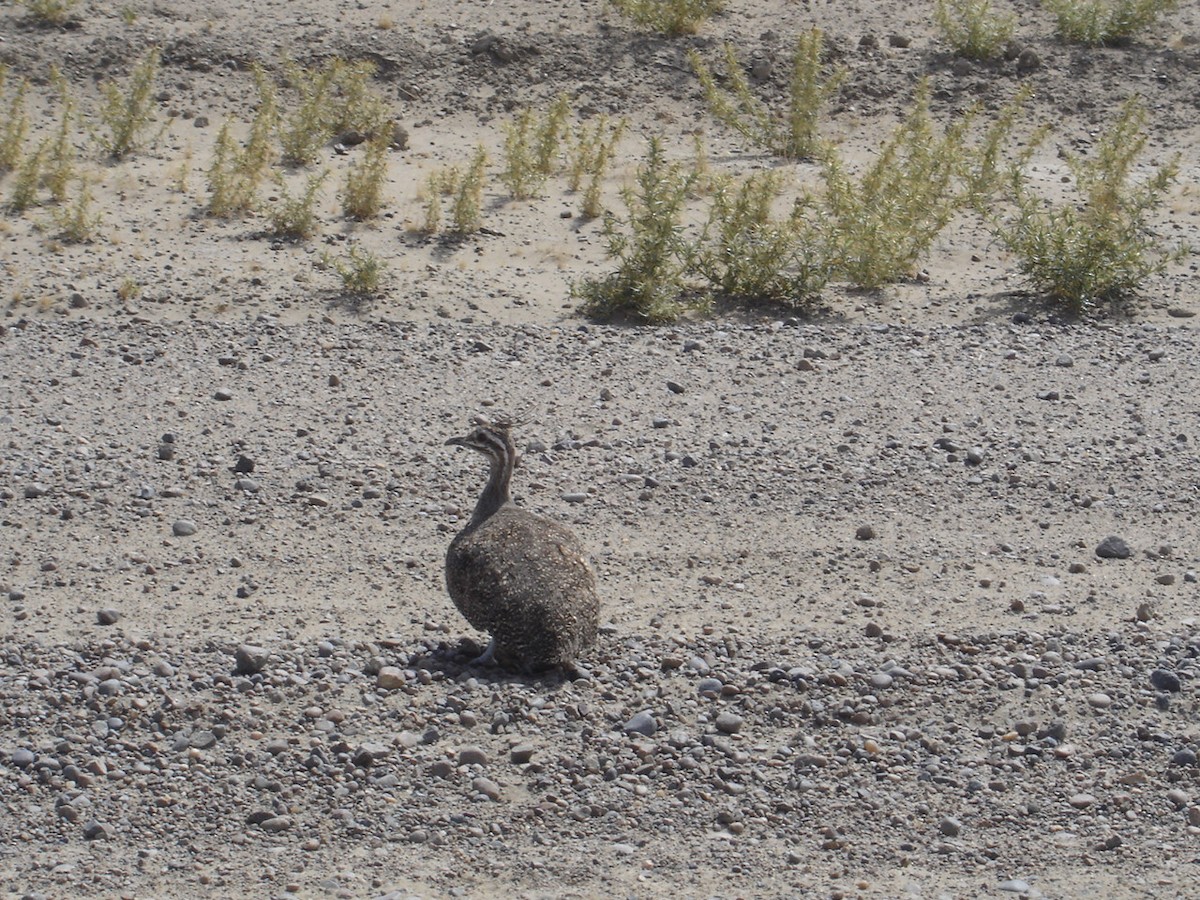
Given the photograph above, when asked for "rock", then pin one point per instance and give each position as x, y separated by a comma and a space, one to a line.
1113, 547
222, 395
643, 723
1028, 61
1184, 757
521, 753
108, 616
389, 678
487, 787
23, 758
674, 387
96, 831
1081, 801
1099, 700
250, 659
950, 827
276, 824
472, 756
865, 533
1164, 680
244, 465
729, 723
183, 528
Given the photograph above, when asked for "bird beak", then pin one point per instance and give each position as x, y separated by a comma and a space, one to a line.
454, 442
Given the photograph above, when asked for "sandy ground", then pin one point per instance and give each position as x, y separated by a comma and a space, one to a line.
857, 639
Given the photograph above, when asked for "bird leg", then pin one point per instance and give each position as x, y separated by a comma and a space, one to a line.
487, 657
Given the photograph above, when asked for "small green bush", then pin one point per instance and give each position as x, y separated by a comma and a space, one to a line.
1097, 22
236, 172
295, 217
1101, 249
333, 99
466, 211
362, 193
15, 124
792, 132
750, 256
876, 227
972, 29
60, 151
649, 284
127, 114
673, 17
76, 221
51, 12
590, 155
361, 271
531, 148
27, 181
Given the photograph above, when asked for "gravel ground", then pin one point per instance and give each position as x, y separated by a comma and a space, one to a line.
856, 642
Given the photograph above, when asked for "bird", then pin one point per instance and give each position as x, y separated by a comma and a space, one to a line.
522, 577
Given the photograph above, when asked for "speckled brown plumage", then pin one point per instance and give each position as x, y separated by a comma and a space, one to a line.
521, 577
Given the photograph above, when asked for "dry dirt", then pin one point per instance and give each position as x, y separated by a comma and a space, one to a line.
857, 638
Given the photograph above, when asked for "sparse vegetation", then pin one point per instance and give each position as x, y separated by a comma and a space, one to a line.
15, 124
792, 132
749, 255
128, 289
672, 17
60, 151
295, 216
27, 181
361, 271
590, 155
334, 98
649, 284
972, 29
877, 226
531, 148
362, 193
77, 222
466, 211
236, 172
1099, 249
126, 114
50, 12
1096, 22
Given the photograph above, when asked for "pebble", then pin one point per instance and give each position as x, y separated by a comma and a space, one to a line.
1099, 700
1165, 680
183, 528
642, 723
472, 756
865, 533
250, 659
276, 824
521, 753
1014, 886
108, 616
1081, 801
729, 723
487, 787
950, 827
1113, 547
23, 758
389, 678
1184, 757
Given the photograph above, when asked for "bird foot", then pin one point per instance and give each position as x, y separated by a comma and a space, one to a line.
487, 657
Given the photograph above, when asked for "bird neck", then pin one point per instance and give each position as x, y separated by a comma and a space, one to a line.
496, 491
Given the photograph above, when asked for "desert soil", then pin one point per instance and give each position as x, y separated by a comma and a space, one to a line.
899, 598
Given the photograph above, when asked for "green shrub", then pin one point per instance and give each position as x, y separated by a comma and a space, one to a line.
972, 29
590, 154
27, 181
76, 221
791, 132
295, 217
749, 256
649, 284
466, 211
673, 17
50, 12
1101, 249
531, 148
15, 124
60, 152
1096, 22
361, 271
876, 227
127, 114
362, 193
332, 99
236, 172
